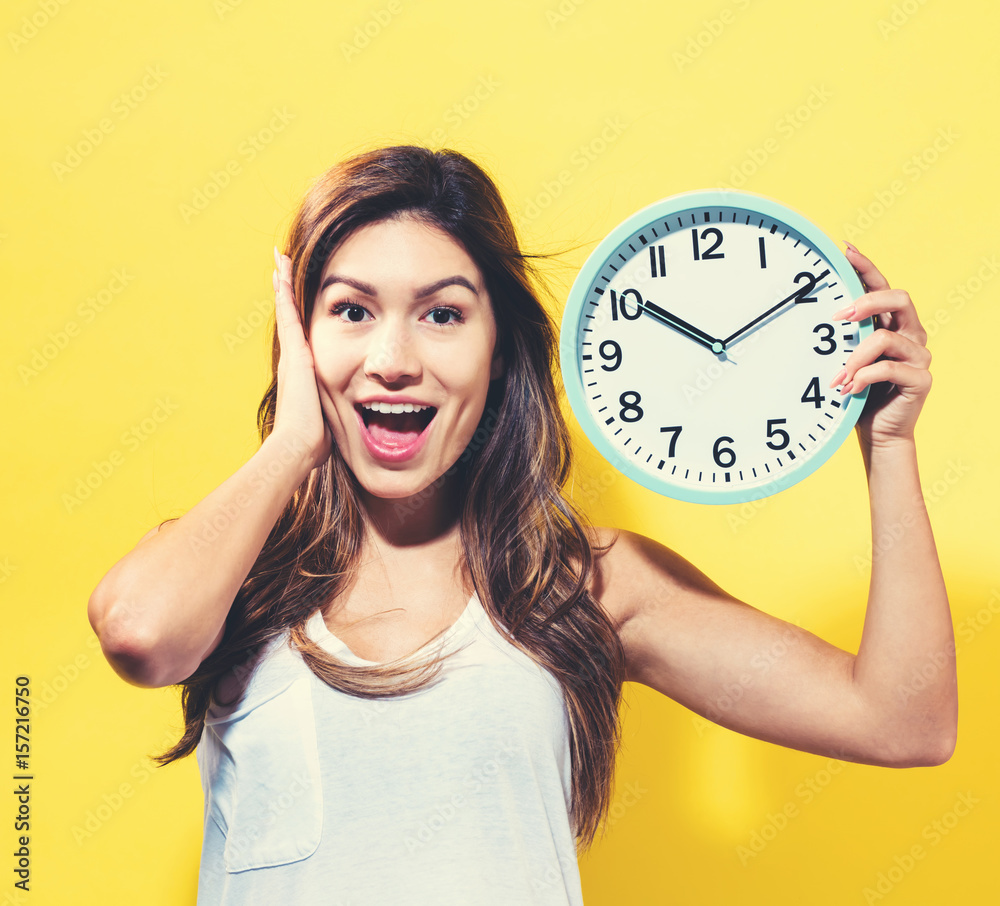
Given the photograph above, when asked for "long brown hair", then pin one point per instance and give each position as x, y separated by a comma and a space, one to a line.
526, 550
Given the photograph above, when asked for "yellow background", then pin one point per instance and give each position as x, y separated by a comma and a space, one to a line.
585, 112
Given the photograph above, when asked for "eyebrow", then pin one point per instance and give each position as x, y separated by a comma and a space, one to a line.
422, 293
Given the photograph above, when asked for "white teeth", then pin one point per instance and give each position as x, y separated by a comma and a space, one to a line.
394, 408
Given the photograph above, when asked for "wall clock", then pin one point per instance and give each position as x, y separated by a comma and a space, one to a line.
698, 345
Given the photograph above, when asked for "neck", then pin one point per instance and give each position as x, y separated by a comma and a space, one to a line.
427, 518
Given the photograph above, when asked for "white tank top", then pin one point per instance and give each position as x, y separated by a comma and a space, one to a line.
451, 795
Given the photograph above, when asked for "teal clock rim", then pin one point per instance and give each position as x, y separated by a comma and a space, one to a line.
570, 365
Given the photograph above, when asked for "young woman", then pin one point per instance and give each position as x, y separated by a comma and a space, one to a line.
401, 649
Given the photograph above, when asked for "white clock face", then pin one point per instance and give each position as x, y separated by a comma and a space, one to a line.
703, 346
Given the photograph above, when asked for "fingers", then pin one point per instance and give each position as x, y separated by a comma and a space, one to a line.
908, 380
290, 333
893, 309
870, 275
884, 348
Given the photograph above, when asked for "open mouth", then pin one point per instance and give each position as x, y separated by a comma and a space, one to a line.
396, 424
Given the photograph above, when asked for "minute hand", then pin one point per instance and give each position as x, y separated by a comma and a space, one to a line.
671, 320
800, 295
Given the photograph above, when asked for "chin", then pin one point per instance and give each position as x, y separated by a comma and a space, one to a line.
400, 488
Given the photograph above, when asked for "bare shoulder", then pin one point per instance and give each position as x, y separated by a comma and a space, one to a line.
633, 573
156, 529
153, 531
660, 603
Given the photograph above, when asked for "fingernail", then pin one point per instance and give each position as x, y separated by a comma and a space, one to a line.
846, 388
845, 314
851, 247
840, 376
277, 257
274, 279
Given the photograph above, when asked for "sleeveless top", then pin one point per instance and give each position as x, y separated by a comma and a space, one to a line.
455, 794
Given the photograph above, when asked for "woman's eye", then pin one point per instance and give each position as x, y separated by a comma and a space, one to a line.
349, 312
445, 316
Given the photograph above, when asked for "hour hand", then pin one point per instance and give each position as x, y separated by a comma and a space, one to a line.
689, 330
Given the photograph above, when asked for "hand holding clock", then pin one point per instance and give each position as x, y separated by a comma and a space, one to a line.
893, 360
722, 428
730, 431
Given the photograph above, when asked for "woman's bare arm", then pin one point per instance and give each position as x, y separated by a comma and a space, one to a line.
895, 702
161, 609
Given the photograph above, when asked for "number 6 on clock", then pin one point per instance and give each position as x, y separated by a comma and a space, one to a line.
696, 340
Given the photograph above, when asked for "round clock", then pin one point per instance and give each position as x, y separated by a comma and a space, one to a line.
698, 345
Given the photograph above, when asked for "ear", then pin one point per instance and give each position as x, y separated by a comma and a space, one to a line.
496, 366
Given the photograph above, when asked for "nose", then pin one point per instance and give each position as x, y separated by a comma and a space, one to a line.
391, 355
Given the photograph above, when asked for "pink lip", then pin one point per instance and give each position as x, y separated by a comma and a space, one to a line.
392, 454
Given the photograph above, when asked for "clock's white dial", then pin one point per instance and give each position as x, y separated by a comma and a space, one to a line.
704, 349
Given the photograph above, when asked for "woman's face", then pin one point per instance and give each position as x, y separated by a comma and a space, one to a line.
402, 319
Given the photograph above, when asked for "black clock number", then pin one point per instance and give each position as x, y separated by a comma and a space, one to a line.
802, 295
812, 394
676, 429
719, 452
654, 252
710, 252
619, 302
610, 351
775, 432
829, 331
630, 406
